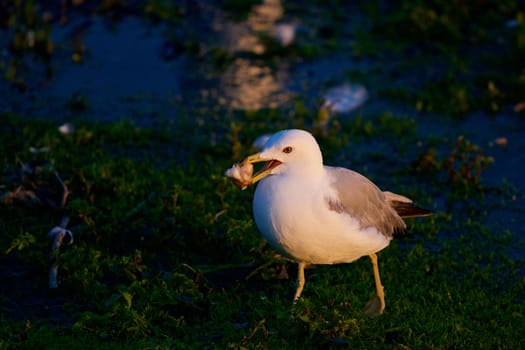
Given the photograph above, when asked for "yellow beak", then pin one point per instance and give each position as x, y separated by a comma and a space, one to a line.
266, 169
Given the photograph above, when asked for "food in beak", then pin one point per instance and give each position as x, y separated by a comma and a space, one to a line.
241, 174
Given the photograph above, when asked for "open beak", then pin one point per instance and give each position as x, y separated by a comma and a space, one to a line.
266, 169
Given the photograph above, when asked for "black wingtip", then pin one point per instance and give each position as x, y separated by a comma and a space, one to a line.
408, 210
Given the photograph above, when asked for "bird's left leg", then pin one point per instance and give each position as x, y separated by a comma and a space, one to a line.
376, 306
300, 281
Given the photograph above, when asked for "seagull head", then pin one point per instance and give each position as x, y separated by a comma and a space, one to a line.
287, 152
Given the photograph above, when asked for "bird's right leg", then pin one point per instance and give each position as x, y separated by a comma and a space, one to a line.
300, 280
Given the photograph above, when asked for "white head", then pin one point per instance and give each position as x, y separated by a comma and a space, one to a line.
289, 151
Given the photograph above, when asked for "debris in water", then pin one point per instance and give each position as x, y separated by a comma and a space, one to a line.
501, 141
345, 98
66, 128
284, 33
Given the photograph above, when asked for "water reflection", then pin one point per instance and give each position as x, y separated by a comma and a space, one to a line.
248, 83
251, 86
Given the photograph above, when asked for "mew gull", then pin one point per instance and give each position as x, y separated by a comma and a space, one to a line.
317, 214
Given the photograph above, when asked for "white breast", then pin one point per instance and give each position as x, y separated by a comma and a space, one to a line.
306, 230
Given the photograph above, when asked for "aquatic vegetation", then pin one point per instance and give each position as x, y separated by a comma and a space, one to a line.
466, 162
28, 33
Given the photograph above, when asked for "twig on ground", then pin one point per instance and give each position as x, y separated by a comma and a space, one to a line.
58, 233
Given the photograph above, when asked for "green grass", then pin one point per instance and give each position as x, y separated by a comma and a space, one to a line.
162, 252
166, 254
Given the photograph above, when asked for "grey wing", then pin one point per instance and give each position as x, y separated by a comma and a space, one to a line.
363, 200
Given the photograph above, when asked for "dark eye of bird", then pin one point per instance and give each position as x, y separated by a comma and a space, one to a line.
287, 149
